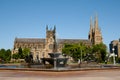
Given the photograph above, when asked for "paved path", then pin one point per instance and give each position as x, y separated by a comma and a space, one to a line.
72, 75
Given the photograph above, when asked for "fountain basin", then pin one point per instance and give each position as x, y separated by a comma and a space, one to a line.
55, 60
60, 62
54, 55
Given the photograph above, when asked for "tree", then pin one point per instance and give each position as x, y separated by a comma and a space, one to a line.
70, 50
20, 53
76, 51
5, 55
8, 55
2, 52
100, 51
15, 56
86, 53
25, 52
83, 50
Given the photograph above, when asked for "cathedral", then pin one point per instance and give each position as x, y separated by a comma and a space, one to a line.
42, 46
95, 35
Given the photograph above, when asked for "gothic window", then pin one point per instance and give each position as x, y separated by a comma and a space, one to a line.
34, 47
51, 46
37, 56
98, 39
39, 46
50, 39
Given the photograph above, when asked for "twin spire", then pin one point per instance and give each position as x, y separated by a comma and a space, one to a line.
94, 36
51, 28
95, 33
95, 25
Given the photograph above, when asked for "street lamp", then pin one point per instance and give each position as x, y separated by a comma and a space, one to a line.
113, 54
81, 55
79, 62
80, 52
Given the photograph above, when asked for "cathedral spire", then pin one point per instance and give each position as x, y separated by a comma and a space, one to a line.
46, 27
96, 22
97, 32
90, 36
95, 35
54, 28
91, 25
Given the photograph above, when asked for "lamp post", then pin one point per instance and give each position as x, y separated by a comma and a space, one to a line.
79, 63
81, 56
114, 62
55, 63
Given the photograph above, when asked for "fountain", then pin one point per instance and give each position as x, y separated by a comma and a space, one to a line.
55, 60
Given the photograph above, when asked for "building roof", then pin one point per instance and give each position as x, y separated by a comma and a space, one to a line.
61, 41
30, 40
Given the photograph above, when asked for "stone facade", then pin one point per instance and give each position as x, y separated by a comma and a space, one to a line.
95, 35
42, 46
116, 45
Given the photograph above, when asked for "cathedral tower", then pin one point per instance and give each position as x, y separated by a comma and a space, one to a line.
95, 35
90, 36
50, 40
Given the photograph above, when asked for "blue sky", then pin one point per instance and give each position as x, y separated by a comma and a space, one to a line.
28, 19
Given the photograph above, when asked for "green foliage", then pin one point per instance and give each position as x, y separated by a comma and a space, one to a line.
100, 51
5, 55
77, 51
2, 54
15, 56
8, 55
22, 53
86, 53
25, 52
117, 59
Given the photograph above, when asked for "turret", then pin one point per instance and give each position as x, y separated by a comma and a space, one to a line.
54, 29
96, 22
90, 36
95, 35
46, 27
97, 32
51, 40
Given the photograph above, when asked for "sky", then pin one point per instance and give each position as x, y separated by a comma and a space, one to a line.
28, 19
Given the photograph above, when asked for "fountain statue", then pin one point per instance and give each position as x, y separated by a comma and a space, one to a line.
55, 60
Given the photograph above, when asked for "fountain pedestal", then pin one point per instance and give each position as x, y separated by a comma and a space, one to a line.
55, 60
